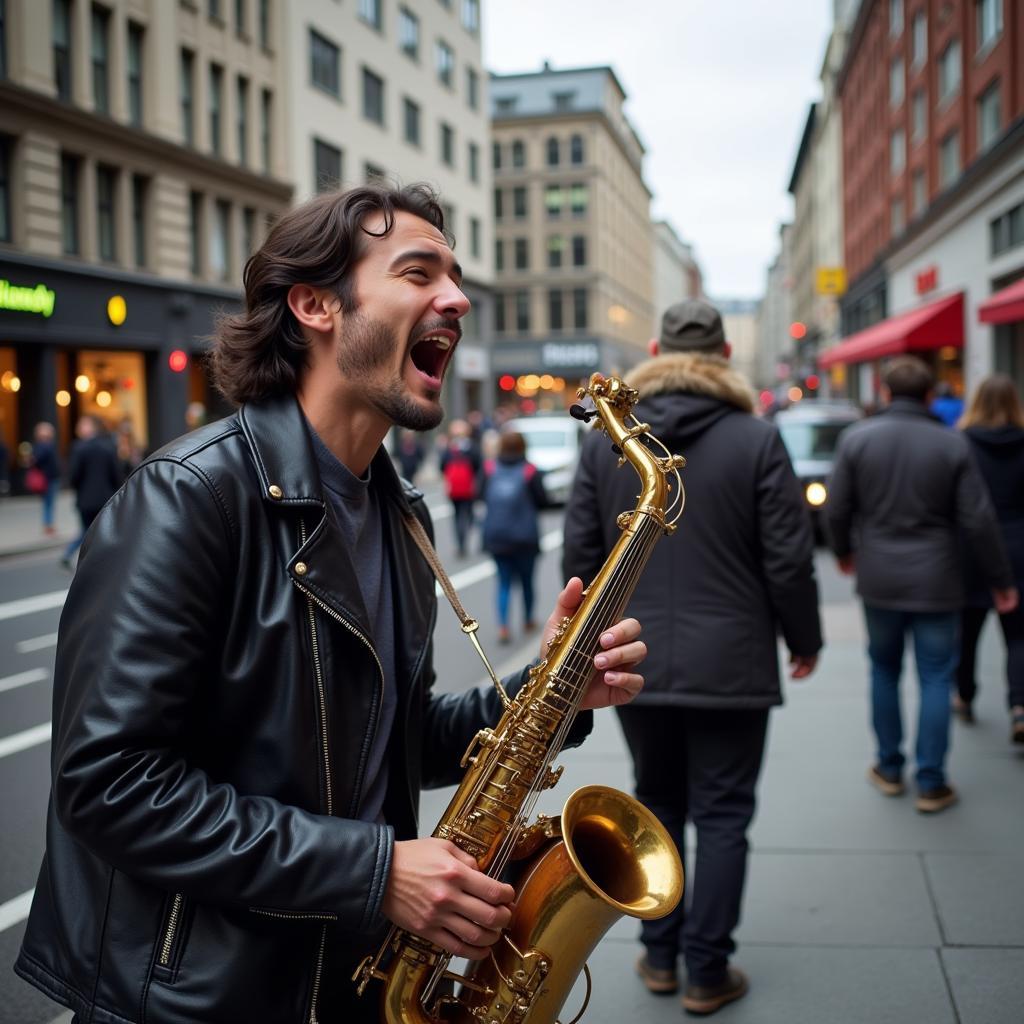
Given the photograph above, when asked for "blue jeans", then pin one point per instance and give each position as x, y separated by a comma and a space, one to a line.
515, 566
49, 497
936, 653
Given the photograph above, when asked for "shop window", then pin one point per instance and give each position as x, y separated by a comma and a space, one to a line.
112, 387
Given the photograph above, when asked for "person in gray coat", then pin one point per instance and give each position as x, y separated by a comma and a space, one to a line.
902, 487
738, 570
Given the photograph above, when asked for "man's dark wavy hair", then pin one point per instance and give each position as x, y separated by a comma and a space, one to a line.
260, 352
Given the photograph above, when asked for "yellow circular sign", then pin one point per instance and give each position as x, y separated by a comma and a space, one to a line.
117, 310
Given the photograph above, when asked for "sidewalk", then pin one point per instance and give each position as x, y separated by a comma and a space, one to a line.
21, 529
858, 910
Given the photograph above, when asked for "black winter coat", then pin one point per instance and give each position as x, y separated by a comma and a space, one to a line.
215, 695
740, 566
95, 473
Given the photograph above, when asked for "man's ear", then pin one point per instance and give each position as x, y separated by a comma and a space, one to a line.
314, 308
653, 347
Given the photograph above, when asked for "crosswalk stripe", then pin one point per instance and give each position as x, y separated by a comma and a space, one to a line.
33, 675
23, 740
484, 570
16, 910
36, 643
29, 605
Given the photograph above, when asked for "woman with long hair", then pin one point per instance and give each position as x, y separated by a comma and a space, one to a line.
994, 427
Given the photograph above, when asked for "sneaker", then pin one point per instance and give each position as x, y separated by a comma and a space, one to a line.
659, 980
963, 711
1017, 727
931, 801
704, 999
504, 636
890, 785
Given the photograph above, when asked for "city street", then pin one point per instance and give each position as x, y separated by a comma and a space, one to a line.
858, 910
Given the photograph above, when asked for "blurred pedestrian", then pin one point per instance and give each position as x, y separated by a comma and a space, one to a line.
43, 474
460, 467
95, 474
739, 570
513, 495
129, 451
5, 468
994, 428
946, 404
902, 488
410, 454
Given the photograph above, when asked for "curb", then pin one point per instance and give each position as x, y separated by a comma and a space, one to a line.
34, 548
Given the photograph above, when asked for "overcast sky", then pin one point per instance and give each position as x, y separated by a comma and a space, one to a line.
718, 92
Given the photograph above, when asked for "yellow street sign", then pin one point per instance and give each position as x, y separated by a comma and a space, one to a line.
831, 280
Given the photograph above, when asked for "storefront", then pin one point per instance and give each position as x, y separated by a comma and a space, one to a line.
124, 348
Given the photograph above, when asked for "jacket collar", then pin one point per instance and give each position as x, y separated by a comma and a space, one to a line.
910, 407
694, 373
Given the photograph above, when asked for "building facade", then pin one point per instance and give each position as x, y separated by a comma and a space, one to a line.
573, 237
139, 167
676, 273
774, 316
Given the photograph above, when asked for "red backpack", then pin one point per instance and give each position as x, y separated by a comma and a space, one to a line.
460, 478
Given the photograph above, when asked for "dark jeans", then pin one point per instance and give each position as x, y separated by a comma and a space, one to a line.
701, 764
462, 519
936, 649
1012, 624
517, 566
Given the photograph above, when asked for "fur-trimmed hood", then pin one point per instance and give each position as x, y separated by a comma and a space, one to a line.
683, 394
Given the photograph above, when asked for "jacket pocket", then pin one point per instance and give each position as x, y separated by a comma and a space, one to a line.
170, 942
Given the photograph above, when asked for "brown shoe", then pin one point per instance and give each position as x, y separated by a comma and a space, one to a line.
963, 711
887, 784
705, 999
931, 801
659, 980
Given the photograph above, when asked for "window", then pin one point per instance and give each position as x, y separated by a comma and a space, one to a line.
372, 13
519, 203
188, 128
989, 17
556, 245
919, 116
408, 33
140, 190
216, 106
919, 40
552, 152
326, 166
919, 193
578, 195
896, 82
70, 171
989, 116
897, 219
1007, 230
522, 300
579, 251
106, 225
473, 152
373, 97
264, 23
563, 101
471, 15
522, 254
518, 154
949, 70
506, 104
949, 159
474, 237
499, 204
500, 325
266, 119
213, 10
895, 17
6, 233
579, 308
374, 175
444, 59
447, 145
499, 255
411, 121
325, 64
62, 48
448, 217
100, 34
248, 231
576, 150
195, 232
472, 89
496, 155
135, 39
555, 321
242, 124
240, 18
897, 151
220, 241
554, 198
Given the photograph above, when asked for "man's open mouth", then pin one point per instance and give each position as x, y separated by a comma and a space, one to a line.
431, 353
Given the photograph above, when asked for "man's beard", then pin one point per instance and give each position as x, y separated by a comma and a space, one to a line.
366, 348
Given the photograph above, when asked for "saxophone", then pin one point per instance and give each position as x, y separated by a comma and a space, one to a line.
605, 856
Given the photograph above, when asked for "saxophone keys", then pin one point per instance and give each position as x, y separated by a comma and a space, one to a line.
552, 776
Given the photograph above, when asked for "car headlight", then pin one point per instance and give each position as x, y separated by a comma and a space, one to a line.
815, 494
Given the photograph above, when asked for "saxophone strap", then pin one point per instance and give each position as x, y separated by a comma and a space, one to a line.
468, 623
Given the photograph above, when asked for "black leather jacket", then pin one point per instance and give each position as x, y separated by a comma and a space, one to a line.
215, 697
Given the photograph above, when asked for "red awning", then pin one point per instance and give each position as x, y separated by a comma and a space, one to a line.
932, 326
1005, 306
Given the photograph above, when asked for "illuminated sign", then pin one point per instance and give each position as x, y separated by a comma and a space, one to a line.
831, 280
927, 280
117, 310
17, 299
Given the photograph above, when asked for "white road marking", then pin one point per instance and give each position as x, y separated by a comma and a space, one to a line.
484, 570
23, 740
33, 675
14, 911
30, 605
37, 643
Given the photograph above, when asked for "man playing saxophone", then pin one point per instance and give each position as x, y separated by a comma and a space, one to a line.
244, 713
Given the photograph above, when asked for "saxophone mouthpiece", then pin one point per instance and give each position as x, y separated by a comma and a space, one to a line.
581, 412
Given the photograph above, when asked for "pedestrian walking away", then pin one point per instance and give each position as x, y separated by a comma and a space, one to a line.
904, 489
43, 474
244, 713
513, 495
738, 570
95, 474
461, 465
994, 428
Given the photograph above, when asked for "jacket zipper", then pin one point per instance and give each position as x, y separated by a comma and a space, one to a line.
312, 599
172, 927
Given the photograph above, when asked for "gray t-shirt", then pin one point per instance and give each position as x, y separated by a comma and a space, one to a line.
354, 505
